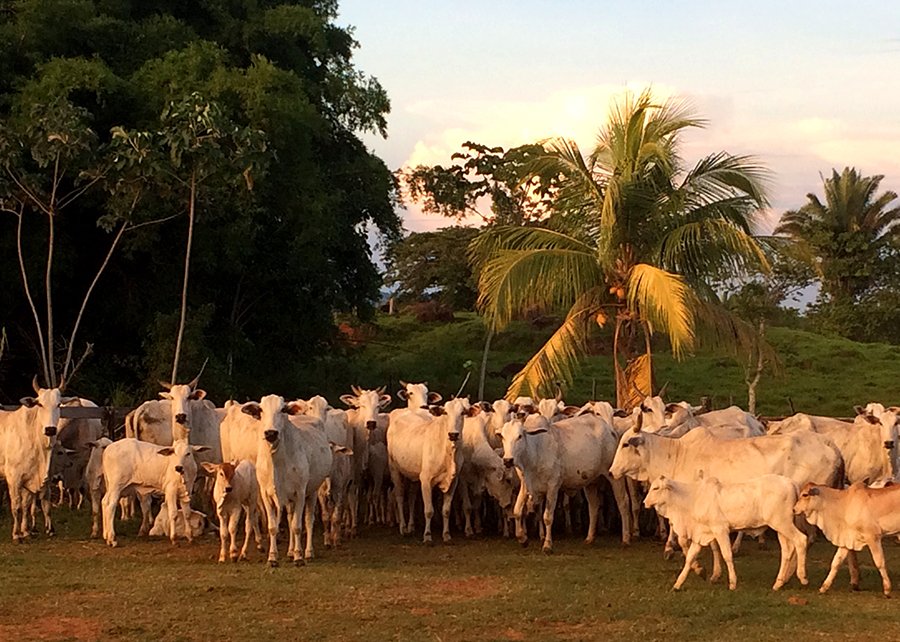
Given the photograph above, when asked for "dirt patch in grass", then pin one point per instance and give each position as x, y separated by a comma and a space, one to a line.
52, 628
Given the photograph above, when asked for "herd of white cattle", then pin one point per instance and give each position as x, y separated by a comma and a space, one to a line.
707, 473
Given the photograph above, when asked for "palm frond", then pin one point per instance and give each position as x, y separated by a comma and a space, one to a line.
558, 358
719, 329
665, 301
711, 247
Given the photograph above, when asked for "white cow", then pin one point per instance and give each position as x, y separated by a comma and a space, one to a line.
363, 417
283, 472
27, 436
74, 435
93, 481
570, 455
133, 465
706, 512
427, 451
182, 413
801, 456
197, 522
852, 519
235, 490
482, 467
333, 493
866, 444
676, 419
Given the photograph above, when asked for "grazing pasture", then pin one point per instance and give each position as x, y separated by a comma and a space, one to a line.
384, 587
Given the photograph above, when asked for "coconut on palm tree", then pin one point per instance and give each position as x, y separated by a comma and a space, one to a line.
636, 239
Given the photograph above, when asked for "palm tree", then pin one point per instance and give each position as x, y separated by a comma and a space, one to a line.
844, 237
635, 238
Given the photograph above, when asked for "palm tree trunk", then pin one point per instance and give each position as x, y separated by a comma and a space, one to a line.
187, 268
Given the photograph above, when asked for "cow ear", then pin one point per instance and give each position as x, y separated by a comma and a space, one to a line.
165, 452
485, 406
349, 400
570, 411
620, 412
212, 469
200, 449
402, 395
292, 408
384, 400
537, 431
434, 397
252, 409
437, 411
165, 395
473, 411
530, 409
28, 402
636, 441
813, 491
859, 410
672, 407
872, 419
585, 411
198, 394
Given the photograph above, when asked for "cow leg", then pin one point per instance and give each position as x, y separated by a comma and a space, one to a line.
519, 517
249, 524
146, 515
445, 512
549, 510
567, 513
172, 511
224, 519
725, 548
784, 568
620, 492
717, 560
853, 564
800, 543
836, 562
273, 518
738, 540
96, 500
399, 492
689, 559
671, 540
309, 514
878, 558
322, 497
110, 501
353, 503
429, 508
592, 493
44, 496
634, 501
15, 508
467, 509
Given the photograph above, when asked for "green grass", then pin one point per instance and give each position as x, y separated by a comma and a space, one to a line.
384, 587
820, 375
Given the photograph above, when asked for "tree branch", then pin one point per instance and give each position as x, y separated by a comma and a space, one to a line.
37, 320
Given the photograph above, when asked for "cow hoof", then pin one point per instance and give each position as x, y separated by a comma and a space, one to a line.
299, 562
823, 591
777, 586
668, 553
221, 560
677, 589
887, 596
523, 543
854, 587
547, 550
273, 563
732, 587
447, 539
804, 582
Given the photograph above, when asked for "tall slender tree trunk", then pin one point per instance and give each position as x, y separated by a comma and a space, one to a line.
47, 286
753, 381
37, 321
187, 268
484, 360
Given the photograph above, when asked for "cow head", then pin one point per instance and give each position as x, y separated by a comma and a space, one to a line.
515, 434
61, 458
653, 411
884, 418
630, 455
658, 495
270, 418
500, 484
367, 403
181, 395
549, 408
45, 406
181, 467
318, 407
416, 395
809, 501
223, 476
455, 410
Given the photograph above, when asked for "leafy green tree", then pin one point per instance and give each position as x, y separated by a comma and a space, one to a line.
645, 236
434, 265
482, 176
847, 237
287, 255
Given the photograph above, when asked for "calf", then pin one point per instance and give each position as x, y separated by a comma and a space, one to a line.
333, 494
133, 465
196, 521
235, 489
706, 512
852, 519
93, 481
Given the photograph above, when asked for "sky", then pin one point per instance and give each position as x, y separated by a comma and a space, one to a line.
804, 86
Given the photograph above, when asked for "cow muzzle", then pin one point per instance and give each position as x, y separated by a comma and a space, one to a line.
370, 425
181, 418
50, 431
271, 436
508, 462
454, 436
889, 445
179, 469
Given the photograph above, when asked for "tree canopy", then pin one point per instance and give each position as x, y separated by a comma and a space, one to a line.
271, 265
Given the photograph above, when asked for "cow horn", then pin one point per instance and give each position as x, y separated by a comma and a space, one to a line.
559, 394
62, 385
381, 390
662, 391
403, 384
639, 422
640, 392
193, 384
166, 385
36, 385
355, 390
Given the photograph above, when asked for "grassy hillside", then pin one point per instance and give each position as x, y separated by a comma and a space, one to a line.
821, 375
